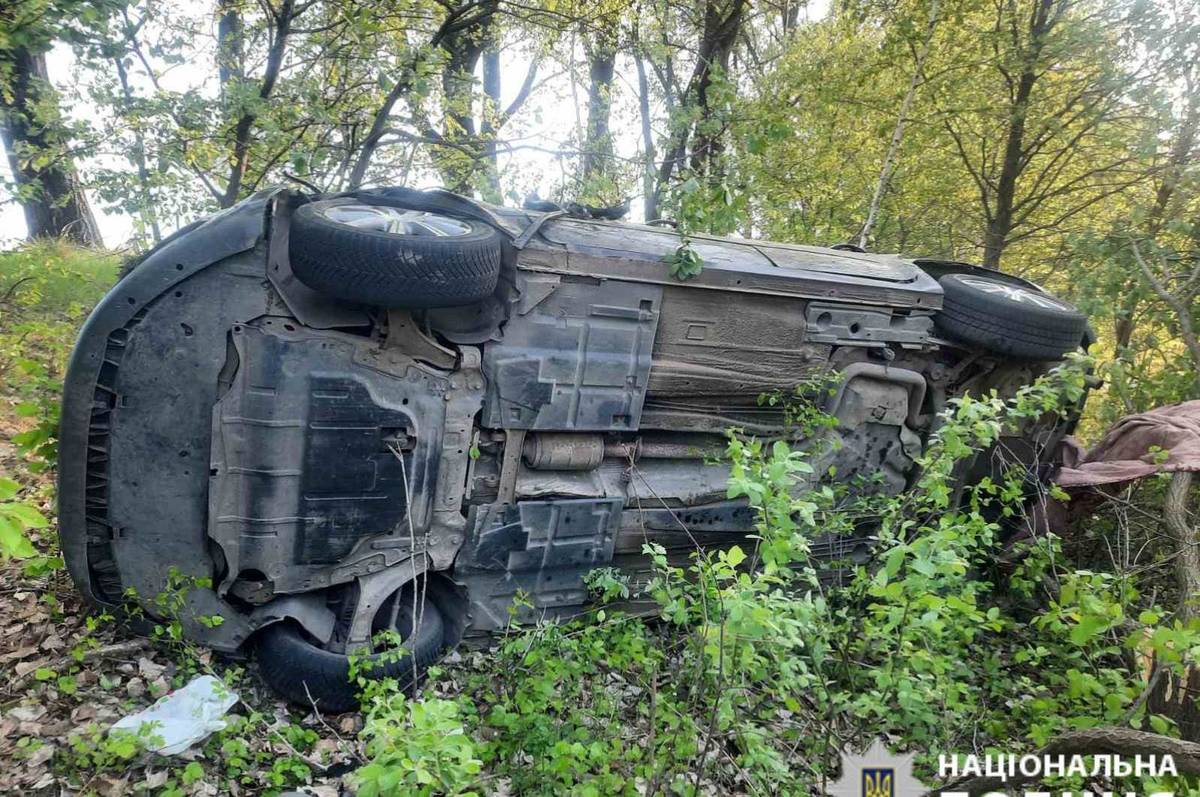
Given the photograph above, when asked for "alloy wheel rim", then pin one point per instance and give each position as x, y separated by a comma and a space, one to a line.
1017, 294
396, 221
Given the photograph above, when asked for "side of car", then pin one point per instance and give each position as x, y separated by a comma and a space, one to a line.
398, 410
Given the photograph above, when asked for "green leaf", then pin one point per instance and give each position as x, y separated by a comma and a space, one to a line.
1088, 627
895, 558
192, 773
26, 515
12, 542
27, 409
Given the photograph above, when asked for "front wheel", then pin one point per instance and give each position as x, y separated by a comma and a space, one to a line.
307, 674
392, 257
1008, 318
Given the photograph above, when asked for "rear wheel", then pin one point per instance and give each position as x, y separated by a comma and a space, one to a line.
1008, 318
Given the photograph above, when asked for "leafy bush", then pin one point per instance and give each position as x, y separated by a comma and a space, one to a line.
761, 673
416, 747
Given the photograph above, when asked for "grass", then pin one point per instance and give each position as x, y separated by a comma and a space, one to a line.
47, 289
54, 278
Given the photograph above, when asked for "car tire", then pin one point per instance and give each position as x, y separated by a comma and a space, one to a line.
306, 674
1008, 318
389, 257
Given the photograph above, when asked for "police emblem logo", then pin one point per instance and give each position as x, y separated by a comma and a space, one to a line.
876, 772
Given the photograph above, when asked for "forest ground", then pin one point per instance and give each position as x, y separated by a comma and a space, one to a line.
69, 673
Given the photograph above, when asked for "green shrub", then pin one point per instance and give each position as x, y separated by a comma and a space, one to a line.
760, 673
416, 748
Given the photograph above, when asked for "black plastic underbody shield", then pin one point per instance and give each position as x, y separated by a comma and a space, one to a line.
305, 464
579, 360
540, 548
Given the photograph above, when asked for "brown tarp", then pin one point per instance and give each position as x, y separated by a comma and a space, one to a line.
1163, 440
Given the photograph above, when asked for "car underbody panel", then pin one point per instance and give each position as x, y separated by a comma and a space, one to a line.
290, 455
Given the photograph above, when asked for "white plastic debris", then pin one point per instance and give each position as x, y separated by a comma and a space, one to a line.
182, 718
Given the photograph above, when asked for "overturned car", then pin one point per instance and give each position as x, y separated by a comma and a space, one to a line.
331, 416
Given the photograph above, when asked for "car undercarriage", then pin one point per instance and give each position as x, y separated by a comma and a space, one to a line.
401, 410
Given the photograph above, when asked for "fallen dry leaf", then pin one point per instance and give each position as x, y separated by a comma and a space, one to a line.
155, 780
27, 713
40, 756
149, 669
19, 653
23, 668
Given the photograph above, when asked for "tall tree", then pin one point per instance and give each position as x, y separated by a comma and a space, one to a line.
722, 24
1062, 75
1140, 272
889, 158
696, 109
458, 154
35, 135
248, 101
649, 194
597, 144
1178, 165
464, 39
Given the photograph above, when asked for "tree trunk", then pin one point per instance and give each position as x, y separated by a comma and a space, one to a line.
889, 159
456, 25
231, 59
1000, 224
147, 211
1174, 695
378, 125
490, 122
1187, 546
597, 145
789, 16
48, 186
721, 27
459, 162
716, 43
649, 189
240, 158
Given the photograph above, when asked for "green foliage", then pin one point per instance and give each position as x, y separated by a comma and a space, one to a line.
1153, 364
241, 759
762, 671
46, 289
16, 518
607, 584
94, 750
416, 747
711, 205
685, 262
